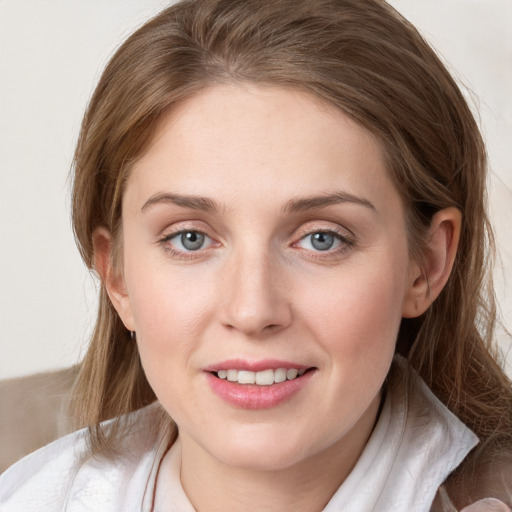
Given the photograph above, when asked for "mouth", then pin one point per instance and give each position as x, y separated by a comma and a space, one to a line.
267, 377
261, 384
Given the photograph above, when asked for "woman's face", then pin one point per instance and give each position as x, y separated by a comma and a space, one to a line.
263, 235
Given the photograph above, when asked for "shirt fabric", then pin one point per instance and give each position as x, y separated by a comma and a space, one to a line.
416, 443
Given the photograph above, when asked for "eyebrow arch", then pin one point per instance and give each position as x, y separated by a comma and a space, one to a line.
193, 202
317, 202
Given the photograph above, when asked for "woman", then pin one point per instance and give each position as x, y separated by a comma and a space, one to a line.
284, 201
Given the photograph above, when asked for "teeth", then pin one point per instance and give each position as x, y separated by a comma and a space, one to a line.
232, 375
245, 377
292, 373
280, 375
263, 378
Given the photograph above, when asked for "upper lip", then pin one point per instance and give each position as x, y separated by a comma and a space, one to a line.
254, 366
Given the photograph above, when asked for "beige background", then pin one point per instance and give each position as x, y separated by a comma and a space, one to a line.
51, 55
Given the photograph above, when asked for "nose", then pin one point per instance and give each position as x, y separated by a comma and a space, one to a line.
255, 299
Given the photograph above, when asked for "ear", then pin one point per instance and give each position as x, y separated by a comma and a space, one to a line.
111, 277
428, 277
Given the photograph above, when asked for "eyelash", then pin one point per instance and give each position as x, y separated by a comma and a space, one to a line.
346, 243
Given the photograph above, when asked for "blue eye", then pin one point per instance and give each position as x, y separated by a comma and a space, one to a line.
321, 241
188, 241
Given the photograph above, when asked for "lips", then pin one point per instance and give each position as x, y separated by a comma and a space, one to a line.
257, 385
255, 366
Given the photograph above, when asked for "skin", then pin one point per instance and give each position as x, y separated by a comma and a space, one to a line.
259, 289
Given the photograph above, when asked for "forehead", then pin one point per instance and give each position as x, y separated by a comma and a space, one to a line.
244, 140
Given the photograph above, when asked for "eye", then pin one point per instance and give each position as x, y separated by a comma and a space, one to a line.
322, 241
189, 241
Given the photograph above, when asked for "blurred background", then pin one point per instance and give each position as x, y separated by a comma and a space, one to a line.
51, 55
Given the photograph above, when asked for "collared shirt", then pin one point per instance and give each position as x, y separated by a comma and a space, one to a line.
415, 445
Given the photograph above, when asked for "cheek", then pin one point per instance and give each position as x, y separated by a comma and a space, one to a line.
170, 310
357, 316
162, 293
170, 321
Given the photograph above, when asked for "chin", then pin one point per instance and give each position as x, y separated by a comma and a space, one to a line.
261, 453
261, 460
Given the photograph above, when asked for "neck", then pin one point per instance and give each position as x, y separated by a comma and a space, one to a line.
306, 486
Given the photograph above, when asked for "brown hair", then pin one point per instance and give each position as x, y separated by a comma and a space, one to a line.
362, 57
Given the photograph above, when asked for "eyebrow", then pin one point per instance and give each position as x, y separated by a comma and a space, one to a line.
322, 201
193, 202
292, 206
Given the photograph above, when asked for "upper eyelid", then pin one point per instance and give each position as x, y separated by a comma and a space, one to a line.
342, 232
183, 227
173, 234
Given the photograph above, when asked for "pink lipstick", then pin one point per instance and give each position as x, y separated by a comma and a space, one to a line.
257, 385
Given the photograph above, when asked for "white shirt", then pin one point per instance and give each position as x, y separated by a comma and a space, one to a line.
415, 445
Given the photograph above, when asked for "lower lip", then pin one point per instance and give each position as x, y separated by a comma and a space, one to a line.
247, 396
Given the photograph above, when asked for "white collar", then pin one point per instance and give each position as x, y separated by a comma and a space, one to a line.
416, 444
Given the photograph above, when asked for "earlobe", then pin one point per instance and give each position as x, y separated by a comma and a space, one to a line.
111, 277
428, 277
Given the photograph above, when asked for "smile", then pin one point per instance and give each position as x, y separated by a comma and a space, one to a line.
258, 385
261, 378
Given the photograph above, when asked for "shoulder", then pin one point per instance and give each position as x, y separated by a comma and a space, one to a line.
476, 475
486, 474
422, 444
40, 480
63, 475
